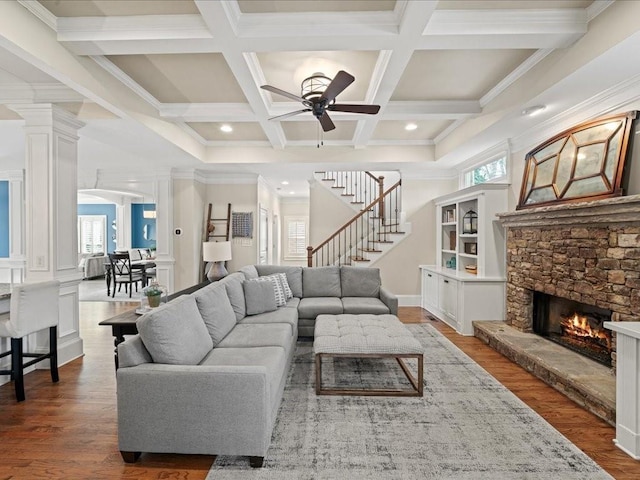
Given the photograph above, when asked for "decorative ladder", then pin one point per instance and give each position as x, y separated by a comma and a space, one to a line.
374, 225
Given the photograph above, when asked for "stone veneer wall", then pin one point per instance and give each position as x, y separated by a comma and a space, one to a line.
587, 251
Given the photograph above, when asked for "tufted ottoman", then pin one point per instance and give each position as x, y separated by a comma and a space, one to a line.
359, 336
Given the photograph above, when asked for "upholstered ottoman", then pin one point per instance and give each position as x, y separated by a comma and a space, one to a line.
360, 336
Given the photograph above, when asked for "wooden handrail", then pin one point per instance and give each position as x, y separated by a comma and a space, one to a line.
377, 201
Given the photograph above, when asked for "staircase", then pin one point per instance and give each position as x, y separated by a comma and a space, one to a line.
376, 228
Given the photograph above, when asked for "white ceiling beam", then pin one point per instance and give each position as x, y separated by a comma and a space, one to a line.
219, 18
446, 29
38, 93
208, 112
416, 17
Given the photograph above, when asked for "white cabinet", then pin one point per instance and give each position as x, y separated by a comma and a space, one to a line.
429, 290
452, 289
448, 297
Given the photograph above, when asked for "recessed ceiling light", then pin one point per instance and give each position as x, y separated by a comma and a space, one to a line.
410, 126
292, 192
226, 128
284, 182
531, 111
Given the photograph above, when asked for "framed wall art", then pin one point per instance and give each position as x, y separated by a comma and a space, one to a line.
586, 162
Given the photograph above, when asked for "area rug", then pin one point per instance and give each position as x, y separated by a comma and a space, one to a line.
96, 291
467, 426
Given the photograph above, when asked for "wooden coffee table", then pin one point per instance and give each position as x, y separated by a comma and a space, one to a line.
367, 336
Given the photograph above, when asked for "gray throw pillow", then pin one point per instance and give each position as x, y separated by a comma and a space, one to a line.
360, 282
216, 310
249, 272
175, 333
259, 296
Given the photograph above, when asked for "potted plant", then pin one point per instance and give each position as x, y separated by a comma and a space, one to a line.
154, 294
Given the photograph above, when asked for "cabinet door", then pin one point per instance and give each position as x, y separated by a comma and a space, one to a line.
429, 289
449, 297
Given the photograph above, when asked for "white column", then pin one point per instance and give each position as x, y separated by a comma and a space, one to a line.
164, 231
51, 216
123, 225
627, 386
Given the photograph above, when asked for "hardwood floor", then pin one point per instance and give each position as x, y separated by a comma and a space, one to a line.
68, 430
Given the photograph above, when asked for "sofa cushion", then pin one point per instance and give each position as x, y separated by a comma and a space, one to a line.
259, 296
314, 306
357, 305
249, 272
281, 315
233, 284
246, 335
294, 276
293, 302
273, 360
216, 310
175, 332
321, 282
360, 282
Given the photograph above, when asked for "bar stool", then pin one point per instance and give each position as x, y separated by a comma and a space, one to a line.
34, 307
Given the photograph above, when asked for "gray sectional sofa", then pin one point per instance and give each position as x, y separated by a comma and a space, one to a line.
206, 372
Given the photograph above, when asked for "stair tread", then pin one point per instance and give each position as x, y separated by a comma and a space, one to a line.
347, 194
360, 259
371, 250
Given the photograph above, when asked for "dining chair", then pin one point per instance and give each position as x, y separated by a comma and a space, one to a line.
33, 307
122, 273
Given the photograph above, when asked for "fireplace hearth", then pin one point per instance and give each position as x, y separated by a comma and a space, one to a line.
573, 325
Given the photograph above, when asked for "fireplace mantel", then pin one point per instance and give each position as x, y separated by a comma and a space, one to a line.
605, 211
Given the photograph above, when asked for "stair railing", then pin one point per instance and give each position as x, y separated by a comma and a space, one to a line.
372, 226
363, 186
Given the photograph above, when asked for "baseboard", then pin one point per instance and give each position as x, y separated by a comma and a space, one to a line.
409, 300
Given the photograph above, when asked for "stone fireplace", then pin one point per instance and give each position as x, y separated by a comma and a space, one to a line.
588, 255
587, 252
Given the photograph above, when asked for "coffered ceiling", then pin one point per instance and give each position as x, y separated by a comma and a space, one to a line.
181, 69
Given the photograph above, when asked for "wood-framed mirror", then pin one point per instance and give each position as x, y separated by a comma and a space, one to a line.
586, 162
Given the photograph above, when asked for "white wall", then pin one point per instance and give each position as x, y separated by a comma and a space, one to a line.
243, 198
189, 212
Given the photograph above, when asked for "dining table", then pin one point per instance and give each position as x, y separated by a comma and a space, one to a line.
143, 265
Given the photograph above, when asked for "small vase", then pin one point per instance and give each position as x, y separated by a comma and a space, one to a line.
154, 300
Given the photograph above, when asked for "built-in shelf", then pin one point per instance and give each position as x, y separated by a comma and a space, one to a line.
449, 291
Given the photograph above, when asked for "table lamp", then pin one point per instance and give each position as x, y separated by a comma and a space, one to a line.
216, 253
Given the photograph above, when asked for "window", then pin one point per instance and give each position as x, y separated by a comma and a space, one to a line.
490, 171
296, 231
91, 233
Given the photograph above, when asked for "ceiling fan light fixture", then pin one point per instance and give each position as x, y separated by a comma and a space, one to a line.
314, 86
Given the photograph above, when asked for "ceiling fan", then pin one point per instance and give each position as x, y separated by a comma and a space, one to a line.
319, 96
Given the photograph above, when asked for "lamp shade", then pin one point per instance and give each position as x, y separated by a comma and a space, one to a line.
216, 251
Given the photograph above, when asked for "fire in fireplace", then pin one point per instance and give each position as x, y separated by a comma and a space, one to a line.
575, 325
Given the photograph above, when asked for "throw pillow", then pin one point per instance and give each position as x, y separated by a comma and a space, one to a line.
285, 285
259, 296
216, 310
278, 289
175, 333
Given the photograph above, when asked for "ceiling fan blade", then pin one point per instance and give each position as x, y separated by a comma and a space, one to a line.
341, 81
325, 121
271, 89
290, 114
346, 107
